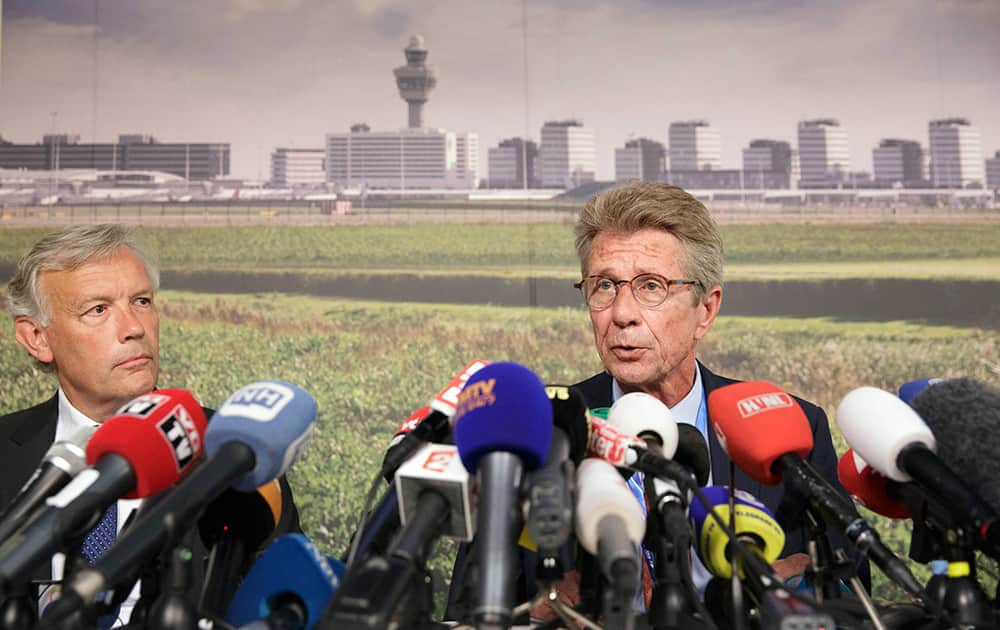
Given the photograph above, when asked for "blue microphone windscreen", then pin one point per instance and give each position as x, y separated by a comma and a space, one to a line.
910, 390
503, 407
273, 418
291, 566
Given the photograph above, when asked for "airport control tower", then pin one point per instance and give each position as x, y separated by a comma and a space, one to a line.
415, 80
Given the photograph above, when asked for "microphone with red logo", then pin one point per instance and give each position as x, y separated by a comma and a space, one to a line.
434, 494
868, 486
143, 450
766, 434
430, 423
253, 438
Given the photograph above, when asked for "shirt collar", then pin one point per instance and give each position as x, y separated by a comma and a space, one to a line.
71, 419
686, 410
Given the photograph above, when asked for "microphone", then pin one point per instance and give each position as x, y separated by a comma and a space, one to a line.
254, 437
145, 448
63, 461
502, 426
965, 417
767, 434
610, 525
911, 389
901, 446
757, 531
437, 468
692, 452
755, 528
549, 490
234, 526
570, 413
434, 498
431, 423
288, 586
650, 420
549, 514
865, 484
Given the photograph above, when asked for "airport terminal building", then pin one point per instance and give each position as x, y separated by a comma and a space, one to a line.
194, 161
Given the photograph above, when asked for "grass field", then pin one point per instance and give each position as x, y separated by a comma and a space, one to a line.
370, 364
968, 251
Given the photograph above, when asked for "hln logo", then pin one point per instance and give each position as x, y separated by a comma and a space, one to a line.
182, 436
754, 405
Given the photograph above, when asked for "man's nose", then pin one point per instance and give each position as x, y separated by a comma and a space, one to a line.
130, 326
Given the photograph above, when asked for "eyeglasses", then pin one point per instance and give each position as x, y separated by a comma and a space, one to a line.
648, 289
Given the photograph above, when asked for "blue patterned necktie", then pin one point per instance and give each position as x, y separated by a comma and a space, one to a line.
101, 537
95, 544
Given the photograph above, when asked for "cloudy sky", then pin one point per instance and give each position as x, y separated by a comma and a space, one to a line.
266, 73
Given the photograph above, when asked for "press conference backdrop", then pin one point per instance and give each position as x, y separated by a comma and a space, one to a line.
371, 361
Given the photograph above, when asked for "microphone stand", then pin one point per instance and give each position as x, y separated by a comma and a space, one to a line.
823, 572
18, 611
956, 594
669, 536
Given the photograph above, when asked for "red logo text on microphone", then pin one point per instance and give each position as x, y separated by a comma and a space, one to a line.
753, 405
437, 461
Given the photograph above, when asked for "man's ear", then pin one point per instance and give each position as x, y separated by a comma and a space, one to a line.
33, 337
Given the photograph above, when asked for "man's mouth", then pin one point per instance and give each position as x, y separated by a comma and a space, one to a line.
624, 351
134, 361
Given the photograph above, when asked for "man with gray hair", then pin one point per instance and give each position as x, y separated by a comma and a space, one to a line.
84, 308
651, 260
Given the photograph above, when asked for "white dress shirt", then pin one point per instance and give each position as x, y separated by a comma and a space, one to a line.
70, 421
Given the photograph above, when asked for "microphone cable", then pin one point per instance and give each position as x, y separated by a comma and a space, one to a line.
363, 521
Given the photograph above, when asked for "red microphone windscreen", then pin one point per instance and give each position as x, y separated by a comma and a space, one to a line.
161, 434
756, 423
869, 487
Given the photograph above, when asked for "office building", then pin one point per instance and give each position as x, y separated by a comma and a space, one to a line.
694, 146
898, 162
567, 154
408, 159
640, 159
956, 154
824, 159
511, 161
993, 171
767, 162
294, 168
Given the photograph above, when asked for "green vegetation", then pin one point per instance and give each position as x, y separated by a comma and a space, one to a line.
753, 251
370, 364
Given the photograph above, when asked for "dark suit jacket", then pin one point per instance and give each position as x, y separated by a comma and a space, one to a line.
597, 391
26, 435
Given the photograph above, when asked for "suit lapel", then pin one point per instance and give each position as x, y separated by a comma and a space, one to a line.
720, 460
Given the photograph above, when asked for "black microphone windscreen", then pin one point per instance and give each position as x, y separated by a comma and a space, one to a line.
692, 452
964, 415
569, 413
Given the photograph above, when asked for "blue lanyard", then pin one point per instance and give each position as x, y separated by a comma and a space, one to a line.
636, 480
